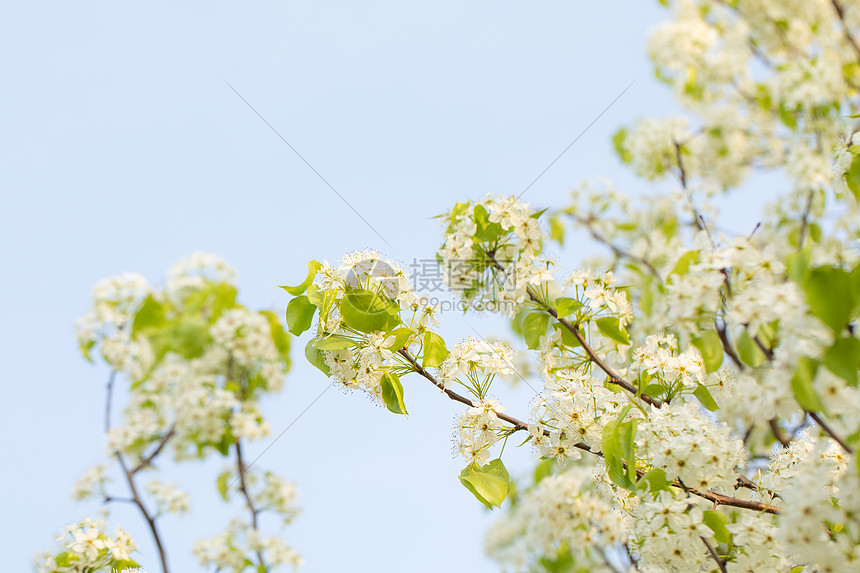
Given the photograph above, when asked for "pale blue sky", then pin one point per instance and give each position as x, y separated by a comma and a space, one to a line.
121, 149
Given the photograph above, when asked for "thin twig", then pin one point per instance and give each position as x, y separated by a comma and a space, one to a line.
820, 421
619, 252
848, 35
147, 460
129, 477
577, 332
720, 563
243, 487
150, 519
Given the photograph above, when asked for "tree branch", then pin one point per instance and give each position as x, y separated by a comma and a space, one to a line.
518, 425
820, 421
720, 563
129, 477
147, 460
840, 12
613, 377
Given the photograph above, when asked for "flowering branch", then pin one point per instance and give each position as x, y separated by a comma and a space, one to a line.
129, 477
243, 487
575, 330
716, 498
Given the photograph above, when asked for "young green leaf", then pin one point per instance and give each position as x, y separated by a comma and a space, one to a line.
843, 359
489, 483
717, 521
711, 348
565, 306
610, 328
150, 315
705, 399
316, 357
313, 267
534, 326
831, 296
435, 350
392, 393
801, 384
367, 311
300, 314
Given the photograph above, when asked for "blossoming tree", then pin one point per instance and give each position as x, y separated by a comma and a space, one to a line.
195, 364
699, 408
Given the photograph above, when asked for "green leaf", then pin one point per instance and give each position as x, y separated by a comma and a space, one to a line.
556, 230
223, 484
705, 399
485, 231
565, 306
618, 144
852, 178
313, 267
832, 296
66, 558
655, 480
567, 337
223, 299
150, 315
717, 521
534, 326
683, 265
801, 384
797, 569
300, 314
797, 266
843, 359
316, 357
748, 351
334, 342
367, 311
392, 393
435, 350
711, 347
401, 335
489, 483
610, 328
123, 564
189, 337
85, 349
618, 450
544, 469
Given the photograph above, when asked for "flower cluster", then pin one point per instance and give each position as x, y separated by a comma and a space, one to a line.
561, 513
689, 447
227, 550
492, 253
478, 430
86, 547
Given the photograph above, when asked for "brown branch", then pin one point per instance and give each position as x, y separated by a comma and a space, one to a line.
619, 252
840, 12
243, 487
820, 421
720, 563
150, 519
129, 476
518, 425
147, 460
613, 377
777, 432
